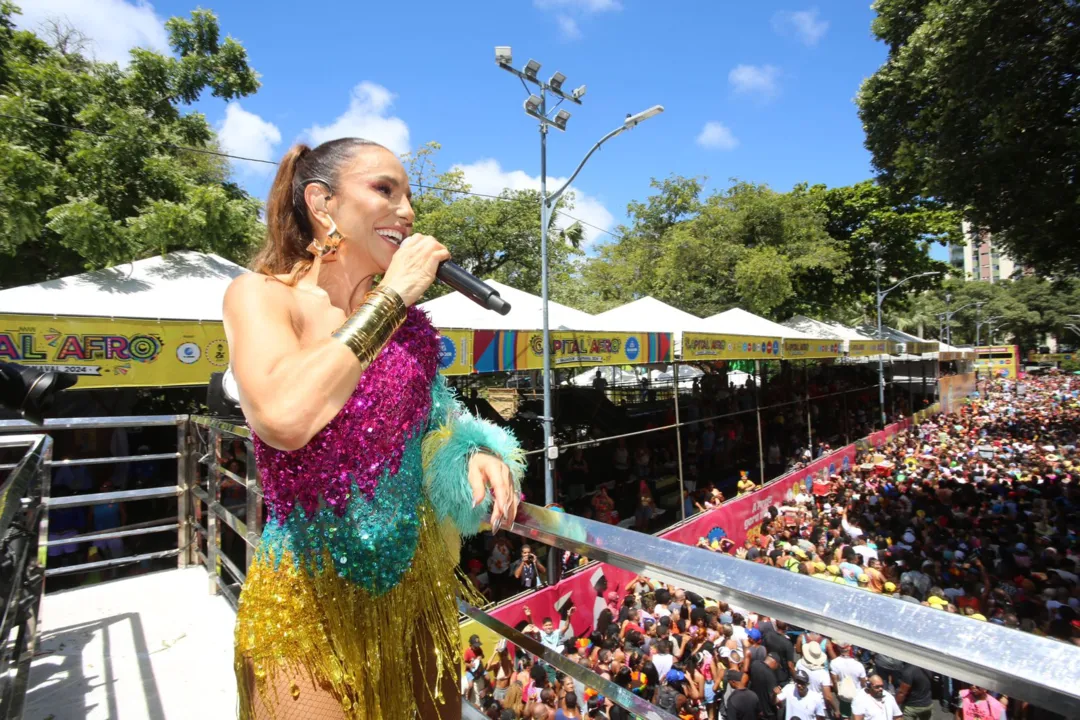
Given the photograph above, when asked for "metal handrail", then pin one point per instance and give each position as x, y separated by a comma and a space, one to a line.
1039, 670
94, 423
180, 490
20, 494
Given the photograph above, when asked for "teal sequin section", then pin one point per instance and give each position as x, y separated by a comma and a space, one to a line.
372, 543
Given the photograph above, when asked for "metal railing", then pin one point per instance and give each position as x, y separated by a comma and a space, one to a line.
1028, 667
179, 491
23, 582
248, 527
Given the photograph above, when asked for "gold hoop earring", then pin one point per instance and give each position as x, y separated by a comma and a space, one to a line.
327, 251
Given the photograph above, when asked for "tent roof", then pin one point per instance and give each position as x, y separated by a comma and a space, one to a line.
737, 321
526, 312
890, 333
182, 285
824, 328
648, 314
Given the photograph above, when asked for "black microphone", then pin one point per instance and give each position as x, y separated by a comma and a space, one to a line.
457, 277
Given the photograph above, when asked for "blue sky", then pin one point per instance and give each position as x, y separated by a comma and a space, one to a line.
759, 91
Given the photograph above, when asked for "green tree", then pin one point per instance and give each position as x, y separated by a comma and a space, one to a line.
869, 221
748, 246
496, 238
977, 106
116, 187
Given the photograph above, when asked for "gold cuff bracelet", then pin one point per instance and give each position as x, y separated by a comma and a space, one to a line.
370, 327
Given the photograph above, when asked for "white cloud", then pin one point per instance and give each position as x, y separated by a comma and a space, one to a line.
568, 12
589, 6
366, 117
488, 177
568, 27
113, 27
804, 23
717, 136
246, 134
760, 79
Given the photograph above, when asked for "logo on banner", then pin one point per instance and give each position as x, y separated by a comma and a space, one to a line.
217, 353
845, 463
447, 352
632, 348
188, 353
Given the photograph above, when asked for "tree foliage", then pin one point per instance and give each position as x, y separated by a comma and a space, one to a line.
776, 254
978, 105
1029, 311
496, 238
91, 173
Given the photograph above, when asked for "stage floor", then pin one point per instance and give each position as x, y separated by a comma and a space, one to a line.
151, 647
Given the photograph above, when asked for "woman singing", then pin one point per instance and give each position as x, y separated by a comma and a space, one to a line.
370, 468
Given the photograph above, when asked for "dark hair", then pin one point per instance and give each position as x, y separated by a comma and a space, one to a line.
571, 701
288, 228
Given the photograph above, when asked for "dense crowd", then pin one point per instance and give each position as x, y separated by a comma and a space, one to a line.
974, 513
634, 481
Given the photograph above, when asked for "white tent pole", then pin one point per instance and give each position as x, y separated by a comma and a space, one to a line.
757, 411
809, 427
678, 439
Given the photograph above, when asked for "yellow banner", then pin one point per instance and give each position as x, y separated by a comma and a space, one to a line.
455, 351
921, 348
116, 353
706, 346
806, 349
508, 350
865, 348
1051, 357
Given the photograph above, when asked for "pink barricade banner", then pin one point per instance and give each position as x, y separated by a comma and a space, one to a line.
739, 520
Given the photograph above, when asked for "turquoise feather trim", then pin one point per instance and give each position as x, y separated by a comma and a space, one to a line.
454, 436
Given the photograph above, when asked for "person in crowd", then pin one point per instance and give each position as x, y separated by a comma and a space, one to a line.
528, 569
915, 693
977, 704
603, 506
874, 703
800, 702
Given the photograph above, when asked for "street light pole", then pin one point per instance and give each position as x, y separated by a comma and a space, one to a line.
880, 335
550, 452
948, 319
536, 106
949, 316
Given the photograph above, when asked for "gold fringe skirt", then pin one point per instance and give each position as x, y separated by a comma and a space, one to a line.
362, 649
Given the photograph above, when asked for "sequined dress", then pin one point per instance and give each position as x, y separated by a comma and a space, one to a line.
355, 573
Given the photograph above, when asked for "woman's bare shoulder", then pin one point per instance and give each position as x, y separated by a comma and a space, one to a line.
257, 291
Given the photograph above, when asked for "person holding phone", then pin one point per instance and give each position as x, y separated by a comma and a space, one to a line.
529, 570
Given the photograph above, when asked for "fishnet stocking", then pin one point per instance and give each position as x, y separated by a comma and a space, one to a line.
296, 697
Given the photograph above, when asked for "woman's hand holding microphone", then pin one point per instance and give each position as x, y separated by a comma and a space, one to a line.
412, 271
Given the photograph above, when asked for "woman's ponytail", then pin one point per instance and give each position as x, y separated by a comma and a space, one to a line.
287, 228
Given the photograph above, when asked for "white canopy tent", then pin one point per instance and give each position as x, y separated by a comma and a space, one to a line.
526, 313
737, 321
182, 285
648, 314
834, 330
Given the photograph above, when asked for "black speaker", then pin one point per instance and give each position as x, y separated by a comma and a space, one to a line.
221, 397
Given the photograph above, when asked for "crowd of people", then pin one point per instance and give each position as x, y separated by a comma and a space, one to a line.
634, 481
974, 513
